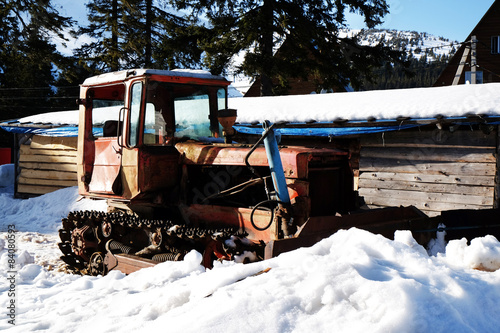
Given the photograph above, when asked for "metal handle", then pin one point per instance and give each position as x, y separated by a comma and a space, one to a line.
119, 134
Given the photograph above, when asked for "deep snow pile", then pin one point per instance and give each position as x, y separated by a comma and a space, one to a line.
353, 281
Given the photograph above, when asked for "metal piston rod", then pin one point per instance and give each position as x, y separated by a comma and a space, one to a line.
278, 176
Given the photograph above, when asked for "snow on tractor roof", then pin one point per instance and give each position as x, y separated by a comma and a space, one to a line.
127, 74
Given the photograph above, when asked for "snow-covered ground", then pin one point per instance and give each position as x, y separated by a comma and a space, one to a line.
353, 281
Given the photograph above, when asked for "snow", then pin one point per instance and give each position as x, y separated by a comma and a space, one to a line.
353, 281
416, 44
423, 103
100, 115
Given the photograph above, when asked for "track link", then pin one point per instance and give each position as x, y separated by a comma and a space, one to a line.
85, 233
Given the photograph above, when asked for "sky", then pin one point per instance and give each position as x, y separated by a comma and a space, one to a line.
452, 19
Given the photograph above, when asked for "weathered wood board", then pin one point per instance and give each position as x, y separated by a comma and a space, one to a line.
434, 170
46, 164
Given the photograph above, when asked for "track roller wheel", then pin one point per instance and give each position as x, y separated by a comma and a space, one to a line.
106, 229
96, 264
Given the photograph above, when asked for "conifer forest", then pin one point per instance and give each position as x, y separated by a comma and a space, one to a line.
280, 40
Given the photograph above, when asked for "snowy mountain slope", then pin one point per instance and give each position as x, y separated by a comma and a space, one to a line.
415, 43
353, 281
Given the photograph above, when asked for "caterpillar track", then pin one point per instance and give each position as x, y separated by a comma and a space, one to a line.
90, 238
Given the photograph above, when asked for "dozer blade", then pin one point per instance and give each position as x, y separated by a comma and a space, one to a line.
127, 263
471, 223
383, 221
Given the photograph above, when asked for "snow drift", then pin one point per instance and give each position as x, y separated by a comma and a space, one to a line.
353, 281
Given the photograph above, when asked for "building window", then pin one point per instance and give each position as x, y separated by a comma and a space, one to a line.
479, 77
495, 45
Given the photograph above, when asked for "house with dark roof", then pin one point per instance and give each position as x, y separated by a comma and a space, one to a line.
479, 54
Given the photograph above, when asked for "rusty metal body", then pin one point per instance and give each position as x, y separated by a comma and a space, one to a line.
150, 143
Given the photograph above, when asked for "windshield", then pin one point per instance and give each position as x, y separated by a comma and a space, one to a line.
181, 111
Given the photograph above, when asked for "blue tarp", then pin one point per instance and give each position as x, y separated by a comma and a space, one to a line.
66, 131
325, 131
72, 131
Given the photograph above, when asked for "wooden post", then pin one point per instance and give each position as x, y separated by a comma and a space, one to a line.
16, 161
496, 202
461, 66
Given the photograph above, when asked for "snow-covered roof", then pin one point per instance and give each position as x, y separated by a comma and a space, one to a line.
374, 111
417, 103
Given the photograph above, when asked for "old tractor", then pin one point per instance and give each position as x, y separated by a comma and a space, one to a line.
161, 148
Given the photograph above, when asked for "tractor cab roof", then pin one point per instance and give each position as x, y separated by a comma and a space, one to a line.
175, 75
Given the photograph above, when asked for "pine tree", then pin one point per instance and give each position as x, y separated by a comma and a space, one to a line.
135, 33
421, 72
306, 32
28, 56
102, 54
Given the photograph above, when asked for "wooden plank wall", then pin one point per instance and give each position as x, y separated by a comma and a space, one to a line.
433, 170
45, 164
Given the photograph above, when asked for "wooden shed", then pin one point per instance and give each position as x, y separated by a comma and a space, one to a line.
433, 148
44, 157
45, 164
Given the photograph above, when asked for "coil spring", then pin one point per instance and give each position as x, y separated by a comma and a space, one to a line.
167, 257
114, 245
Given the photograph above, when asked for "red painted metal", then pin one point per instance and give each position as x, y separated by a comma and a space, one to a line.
158, 168
214, 249
233, 217
107, 162
5, 156
295, 159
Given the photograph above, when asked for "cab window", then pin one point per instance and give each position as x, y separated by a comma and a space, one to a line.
135, 112
106, 104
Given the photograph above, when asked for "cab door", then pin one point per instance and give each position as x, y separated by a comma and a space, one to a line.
101, 150
107, 164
